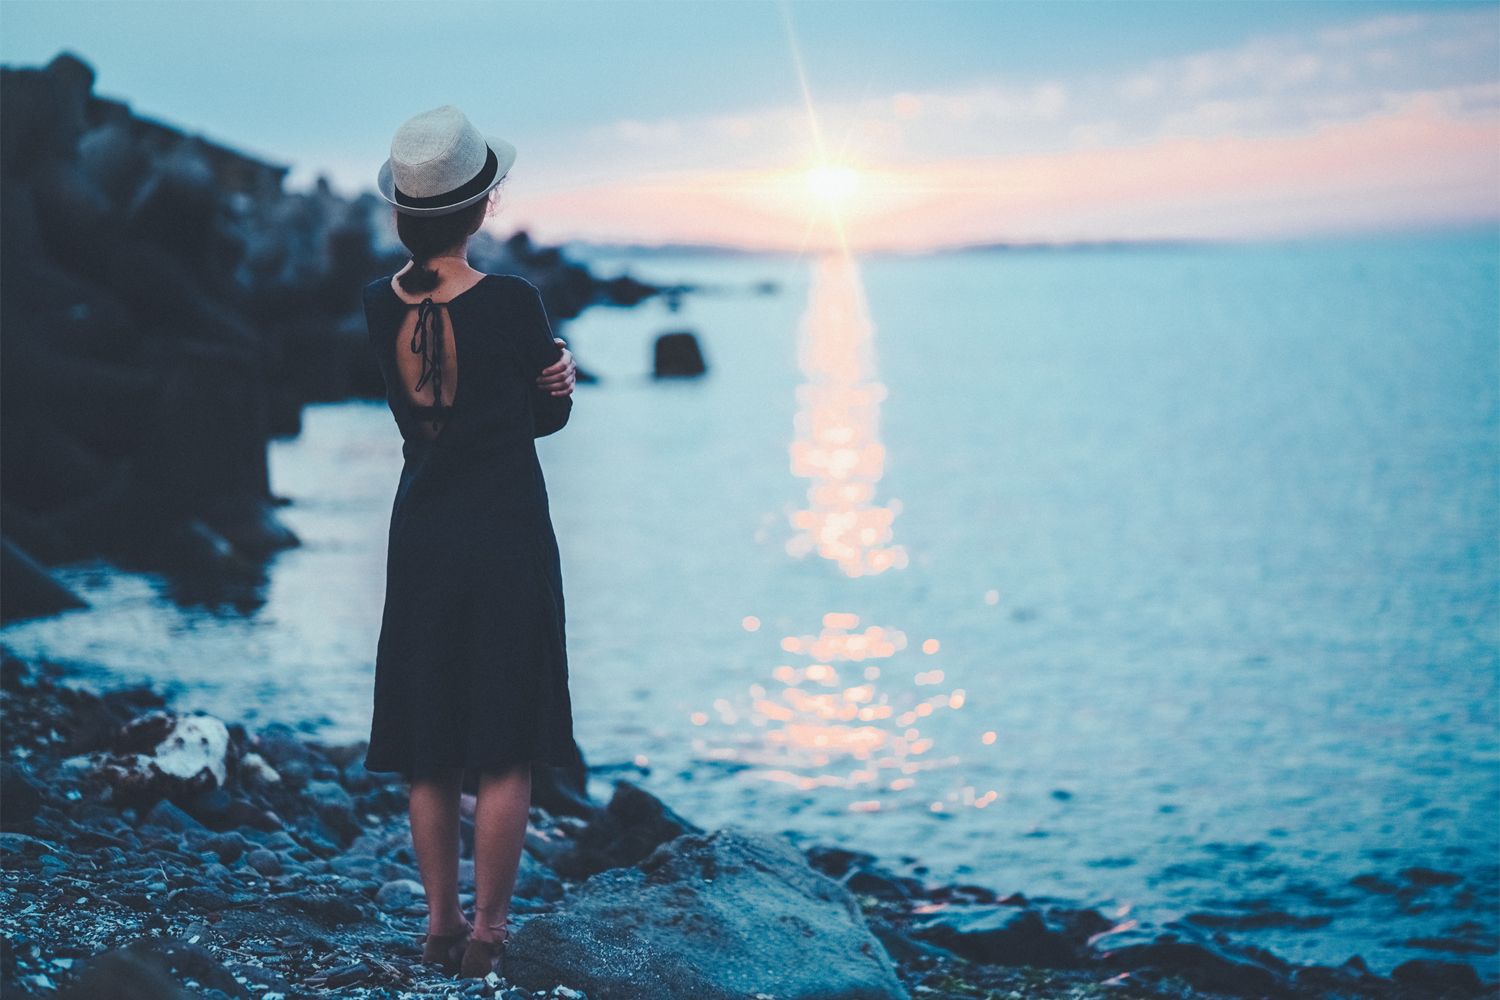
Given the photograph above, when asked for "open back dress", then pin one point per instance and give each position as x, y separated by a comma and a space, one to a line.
471, 666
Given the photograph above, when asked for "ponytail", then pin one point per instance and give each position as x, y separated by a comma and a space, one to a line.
428, 236
420, 278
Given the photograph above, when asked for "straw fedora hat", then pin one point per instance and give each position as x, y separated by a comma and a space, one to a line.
440, 163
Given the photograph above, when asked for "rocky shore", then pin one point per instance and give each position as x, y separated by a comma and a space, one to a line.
160, 855
168, 309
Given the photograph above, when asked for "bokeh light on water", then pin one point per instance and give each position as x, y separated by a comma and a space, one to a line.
848, 713
837, 446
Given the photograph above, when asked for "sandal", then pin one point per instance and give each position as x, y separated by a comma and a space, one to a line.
480, 955
442, 949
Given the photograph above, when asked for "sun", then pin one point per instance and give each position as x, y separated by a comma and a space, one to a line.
833, 184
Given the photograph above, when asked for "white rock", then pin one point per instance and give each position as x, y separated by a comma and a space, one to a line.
195, 742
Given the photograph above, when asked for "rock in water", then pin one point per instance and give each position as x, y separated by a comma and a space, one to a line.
677, 353
626, 831
1000, 935
711, 916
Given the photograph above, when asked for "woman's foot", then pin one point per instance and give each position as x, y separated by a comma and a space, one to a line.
443, 941
481, 953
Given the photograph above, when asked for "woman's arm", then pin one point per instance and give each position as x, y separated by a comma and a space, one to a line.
552, 391
554, 400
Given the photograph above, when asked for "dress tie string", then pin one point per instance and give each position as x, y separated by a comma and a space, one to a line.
428, 342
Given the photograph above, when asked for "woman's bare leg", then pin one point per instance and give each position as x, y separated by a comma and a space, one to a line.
500, 812
433, 803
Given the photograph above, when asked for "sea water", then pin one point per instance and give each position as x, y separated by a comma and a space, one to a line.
1160, 579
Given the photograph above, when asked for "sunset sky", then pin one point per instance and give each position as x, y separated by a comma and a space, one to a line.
925, 124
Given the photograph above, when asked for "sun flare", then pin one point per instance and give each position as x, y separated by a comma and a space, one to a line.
833, 184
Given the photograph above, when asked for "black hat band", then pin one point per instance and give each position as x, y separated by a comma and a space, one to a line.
479, 182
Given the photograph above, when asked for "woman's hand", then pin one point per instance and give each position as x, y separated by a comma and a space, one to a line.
558, 378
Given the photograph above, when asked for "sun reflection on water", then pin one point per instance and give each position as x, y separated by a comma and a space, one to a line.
849, 708
837, 444
835, 719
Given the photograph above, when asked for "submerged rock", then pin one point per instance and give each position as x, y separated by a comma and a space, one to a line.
708, 917
677, 354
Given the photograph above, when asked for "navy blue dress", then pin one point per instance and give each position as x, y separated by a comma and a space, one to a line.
471, 667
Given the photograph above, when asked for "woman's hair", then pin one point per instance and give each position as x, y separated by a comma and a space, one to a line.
429, 235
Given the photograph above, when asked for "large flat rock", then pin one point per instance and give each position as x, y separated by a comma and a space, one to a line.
715, 916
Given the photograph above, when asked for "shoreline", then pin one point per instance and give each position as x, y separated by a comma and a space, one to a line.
181, 855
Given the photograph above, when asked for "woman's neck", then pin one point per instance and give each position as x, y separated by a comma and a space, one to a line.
447, 266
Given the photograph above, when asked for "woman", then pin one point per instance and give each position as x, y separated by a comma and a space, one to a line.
471, 684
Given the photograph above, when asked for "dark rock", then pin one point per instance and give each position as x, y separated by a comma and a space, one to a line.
861, 873
1351, 978
964, 894
25, 845
144, 733
1199, 963
282, 746
535, 881
168, 816
563, 791
267, 862
279, 841
677, 353
212, 808
401, 894
386, 801
20, 797
1440, 978
1000, 935
111, 858
153, 968
359, 781
1429, 876
335, 809
629, 828
1080, 926
327, 908
905, 949
126, 974
837, 862
199, 899
626, 290
29, 587
242, 815
875, 881
707, 917
1374, 883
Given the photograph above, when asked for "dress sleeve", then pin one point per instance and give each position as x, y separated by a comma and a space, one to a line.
537, 350
371, 320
